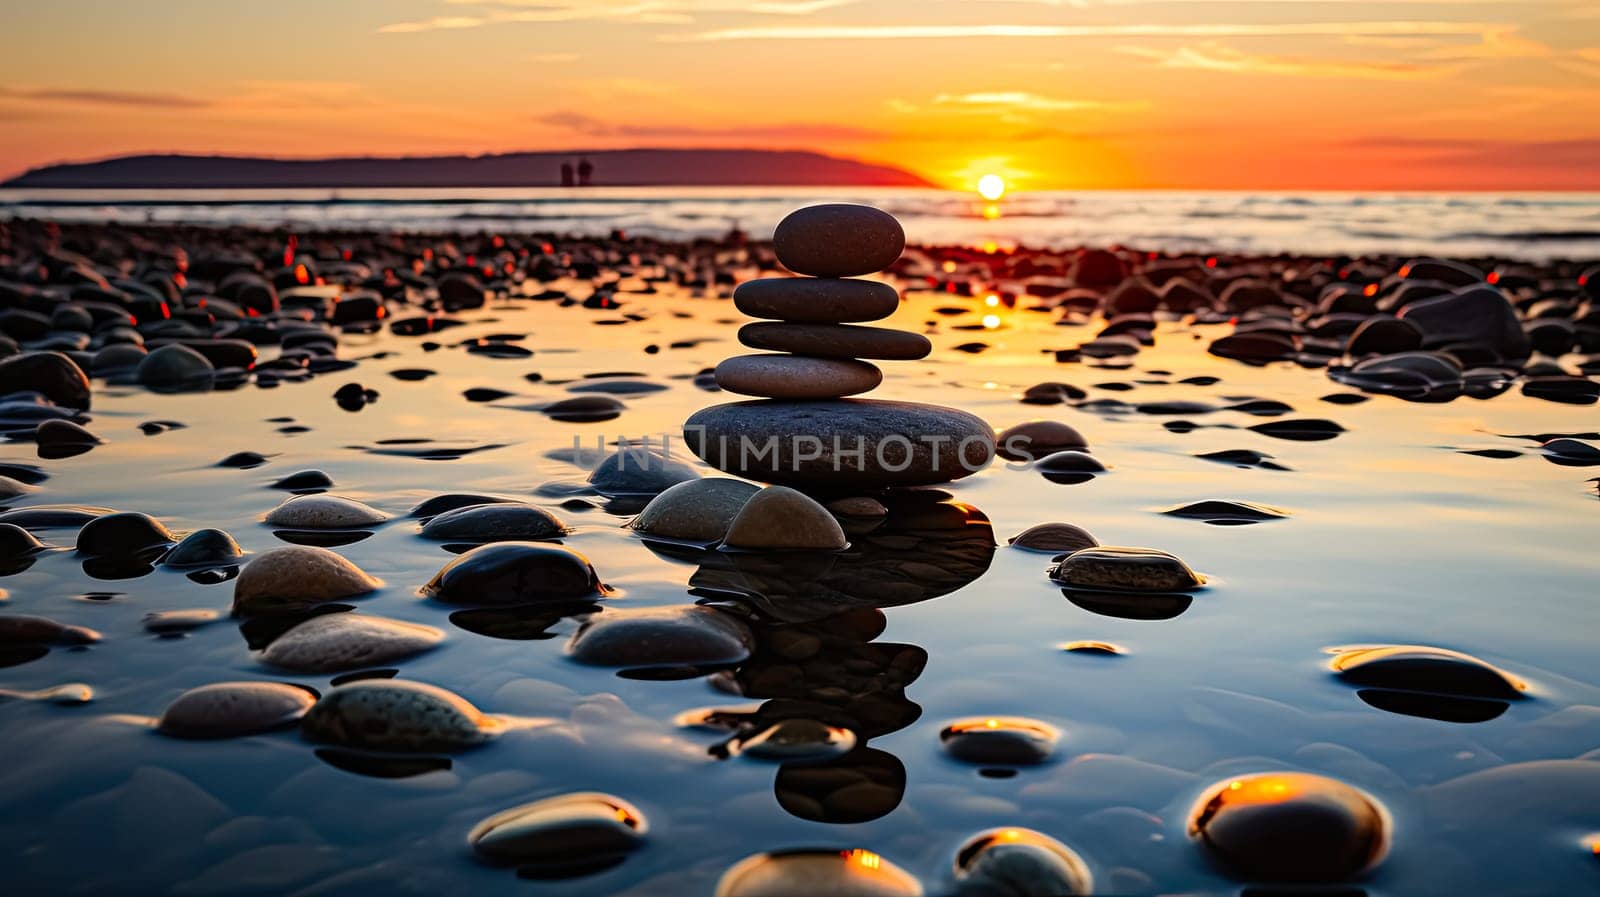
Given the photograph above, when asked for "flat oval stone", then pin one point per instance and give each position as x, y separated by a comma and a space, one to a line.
1126, 569
332, 643
677, 635
202, 548
499, 522
797, 376
324, 511
228, 709
174, 365
304, 481
51, 374
122, 534
1424, 669
835, 340
1000, 741
803, 740
816, 300
639, 471
1036, 439
696, 511
397, 715
844, 444
838, 240
442, 504
515, 573
778, 517
1023, 863
569, 829
1055, 538
1227, 513
16, 542
295, 577
22, 629
1289, 827
817, 873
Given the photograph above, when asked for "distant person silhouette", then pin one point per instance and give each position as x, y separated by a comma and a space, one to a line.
566, 174
585, 170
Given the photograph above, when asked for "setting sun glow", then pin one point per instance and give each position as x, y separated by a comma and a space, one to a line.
991, 187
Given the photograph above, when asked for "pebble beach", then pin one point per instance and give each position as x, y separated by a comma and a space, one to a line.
390, 561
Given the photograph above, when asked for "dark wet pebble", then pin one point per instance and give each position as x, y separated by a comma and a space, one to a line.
1300, 430
485, 394
1069, 467
331, 643
122, 534
817, 873
639, 471
1424, 669
1036, 439
441, 504
397, 715
1000, 740
618, 387
496, 522
1020, 862
1054, 538
412, 375
231, 709
16, 542
1345, 398
304, 481
18, 629
686, 635
203, 548
1243, 458
1125, 569
53, 516
584, 409
243, 460
502, 573
1226, 513
562, 835
1289, 827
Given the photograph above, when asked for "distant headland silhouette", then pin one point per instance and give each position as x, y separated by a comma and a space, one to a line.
612, 168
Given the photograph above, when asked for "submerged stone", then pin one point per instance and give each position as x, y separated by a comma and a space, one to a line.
1289, 827
397, 715
780, 518
639, 471
1126, 569
817, 873
204, 548
1423, 669
295, 577
686, 635
694, 511
498, 522
323, 511
1054, 538
332, 643
581, 830
229, 709
1020, 862
798, 740
1226, 513
516, 573
122, 534
1000, 740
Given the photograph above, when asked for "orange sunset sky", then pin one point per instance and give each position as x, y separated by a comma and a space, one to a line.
1249, 94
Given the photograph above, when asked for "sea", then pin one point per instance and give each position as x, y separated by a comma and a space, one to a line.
1534, 227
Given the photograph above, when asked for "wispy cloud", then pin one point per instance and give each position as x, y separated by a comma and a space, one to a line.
659, 12
591, 126
1216, 58
969, 32
105, 97
1023, 100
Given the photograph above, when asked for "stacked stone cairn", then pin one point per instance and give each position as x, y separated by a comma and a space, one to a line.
803, 431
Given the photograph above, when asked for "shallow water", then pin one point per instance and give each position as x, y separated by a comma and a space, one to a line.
1534, 226
1393, 536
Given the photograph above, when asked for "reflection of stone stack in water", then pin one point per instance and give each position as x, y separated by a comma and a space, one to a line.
805, 432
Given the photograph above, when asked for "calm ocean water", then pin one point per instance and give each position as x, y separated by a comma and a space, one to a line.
1534, 226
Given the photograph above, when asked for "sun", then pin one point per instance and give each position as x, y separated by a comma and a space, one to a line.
991, 187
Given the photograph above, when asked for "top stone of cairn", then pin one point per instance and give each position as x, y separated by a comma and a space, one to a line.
838, 240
